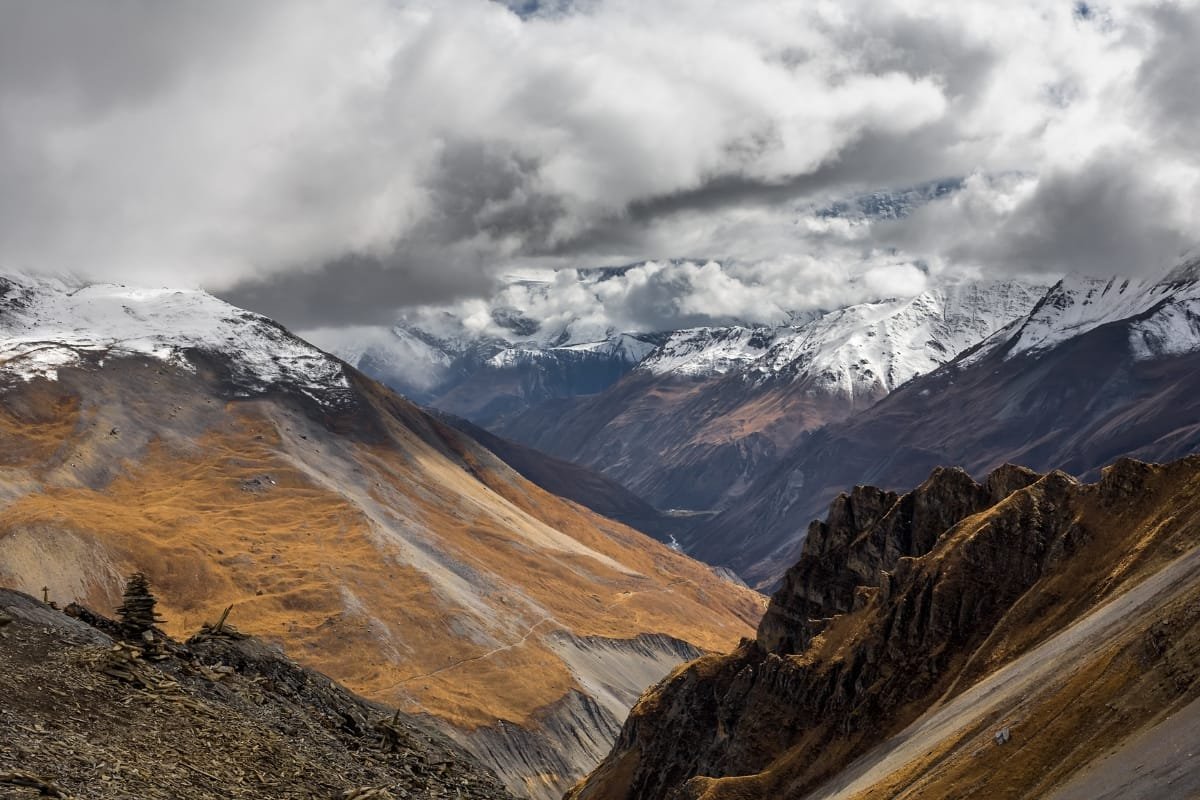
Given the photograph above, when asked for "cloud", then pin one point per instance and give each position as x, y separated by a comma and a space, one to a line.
332, 160
1169, 72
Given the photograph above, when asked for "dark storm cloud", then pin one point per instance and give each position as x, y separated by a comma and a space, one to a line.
478, 190
1104, 217
357, 290
1171, 74
95, 56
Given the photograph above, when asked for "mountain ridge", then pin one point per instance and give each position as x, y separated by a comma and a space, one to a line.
1062, 614
1083, 397
374, 542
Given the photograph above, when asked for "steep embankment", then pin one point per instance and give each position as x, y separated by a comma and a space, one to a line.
233, 463
1063, 616
86, 717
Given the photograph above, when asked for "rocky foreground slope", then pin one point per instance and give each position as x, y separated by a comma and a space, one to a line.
1027, 637
89, 716
170, 433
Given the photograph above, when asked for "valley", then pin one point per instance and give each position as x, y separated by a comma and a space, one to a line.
599, 400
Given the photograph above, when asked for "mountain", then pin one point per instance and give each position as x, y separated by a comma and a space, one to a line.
573, 482
1029, 636
1098, 369
711, 410
219, 716
483, 361
234, 463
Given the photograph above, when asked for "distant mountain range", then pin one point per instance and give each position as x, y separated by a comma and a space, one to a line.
1098, 369
711, 410
758, 426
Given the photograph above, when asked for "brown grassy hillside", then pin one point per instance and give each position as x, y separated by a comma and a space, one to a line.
373, 543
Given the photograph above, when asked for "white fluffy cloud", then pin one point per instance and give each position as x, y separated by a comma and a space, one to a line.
330, 160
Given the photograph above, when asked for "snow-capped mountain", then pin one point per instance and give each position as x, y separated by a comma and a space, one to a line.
1098, 368
699, 352
1163, 317
481, 359
869, 349
46, 324
862, 351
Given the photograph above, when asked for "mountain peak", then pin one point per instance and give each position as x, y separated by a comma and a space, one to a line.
47, 325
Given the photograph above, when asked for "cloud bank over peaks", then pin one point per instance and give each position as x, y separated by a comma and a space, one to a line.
576, 306
331, 161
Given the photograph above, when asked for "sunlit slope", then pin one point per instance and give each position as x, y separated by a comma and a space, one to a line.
372, 542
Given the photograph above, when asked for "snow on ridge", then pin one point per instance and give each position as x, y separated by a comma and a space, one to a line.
863, 350
619, 347
1168, 310
698, 352
46, 325
869, 349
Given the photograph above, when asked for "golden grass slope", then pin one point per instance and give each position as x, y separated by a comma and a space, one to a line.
376, 546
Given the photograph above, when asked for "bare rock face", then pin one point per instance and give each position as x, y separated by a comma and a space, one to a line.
899, 602
865, 535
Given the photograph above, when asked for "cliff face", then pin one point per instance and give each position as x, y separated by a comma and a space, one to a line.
865, 535
901, 603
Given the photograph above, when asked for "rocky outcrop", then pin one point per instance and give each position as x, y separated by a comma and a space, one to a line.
1006, 565
863, 538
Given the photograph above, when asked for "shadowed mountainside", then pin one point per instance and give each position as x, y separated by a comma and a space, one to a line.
1062, 615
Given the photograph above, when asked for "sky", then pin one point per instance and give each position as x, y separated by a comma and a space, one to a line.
329, 162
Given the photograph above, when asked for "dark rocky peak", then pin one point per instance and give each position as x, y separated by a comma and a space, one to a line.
1123, 479
515, 320
867, 533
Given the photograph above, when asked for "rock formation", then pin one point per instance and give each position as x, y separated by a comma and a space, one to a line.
1022, 598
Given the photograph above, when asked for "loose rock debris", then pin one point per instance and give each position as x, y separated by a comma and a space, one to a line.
86, 716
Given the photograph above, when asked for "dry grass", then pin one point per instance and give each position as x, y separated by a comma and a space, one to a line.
415, 576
